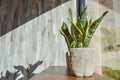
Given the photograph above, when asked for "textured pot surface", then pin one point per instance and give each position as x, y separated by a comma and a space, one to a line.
82, 61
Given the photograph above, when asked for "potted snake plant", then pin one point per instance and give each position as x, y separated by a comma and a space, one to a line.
78, 36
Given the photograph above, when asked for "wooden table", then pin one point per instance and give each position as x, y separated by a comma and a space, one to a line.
61, 73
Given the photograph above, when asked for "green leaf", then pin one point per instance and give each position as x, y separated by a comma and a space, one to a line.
92, 28
65, 32
83, 17
72, 30
76, 33
73, 44
70, 14
79, 25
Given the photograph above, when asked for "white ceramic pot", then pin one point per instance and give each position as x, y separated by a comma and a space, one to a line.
82, 61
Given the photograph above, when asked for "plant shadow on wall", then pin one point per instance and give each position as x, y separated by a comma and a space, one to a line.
78, 36
14, 13
26, 72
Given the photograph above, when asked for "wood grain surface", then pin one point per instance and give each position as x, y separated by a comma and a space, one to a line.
61, 73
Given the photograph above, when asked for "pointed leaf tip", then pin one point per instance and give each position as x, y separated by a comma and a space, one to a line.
105, 13
70, 14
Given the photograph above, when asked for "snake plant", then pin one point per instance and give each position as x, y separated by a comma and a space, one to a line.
80, 33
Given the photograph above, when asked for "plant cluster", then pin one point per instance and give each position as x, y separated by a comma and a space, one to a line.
26, 72
80, 33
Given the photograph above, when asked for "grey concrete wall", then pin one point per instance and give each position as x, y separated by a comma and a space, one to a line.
37, 39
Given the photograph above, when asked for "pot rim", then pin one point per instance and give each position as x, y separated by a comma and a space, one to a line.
77, 49
83, 48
